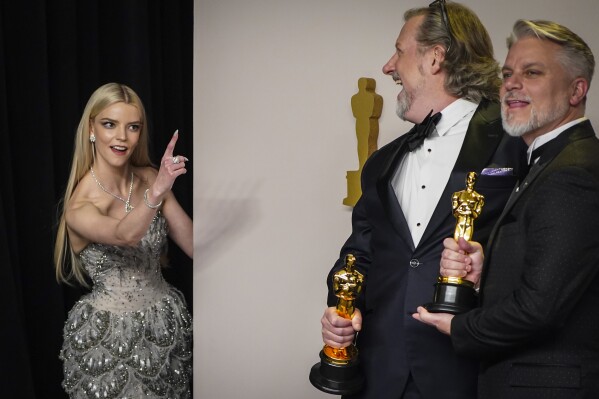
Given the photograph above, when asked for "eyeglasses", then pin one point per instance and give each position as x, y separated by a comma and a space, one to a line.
445, 17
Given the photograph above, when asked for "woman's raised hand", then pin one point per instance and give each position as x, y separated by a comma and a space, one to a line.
171, 167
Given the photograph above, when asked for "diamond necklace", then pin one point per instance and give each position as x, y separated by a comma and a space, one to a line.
128, 206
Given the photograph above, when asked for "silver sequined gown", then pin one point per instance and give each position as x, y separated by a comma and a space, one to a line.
131, 336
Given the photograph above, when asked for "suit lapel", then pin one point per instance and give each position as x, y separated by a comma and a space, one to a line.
519, 189
482, 138
577, 132
517, 193
387, 194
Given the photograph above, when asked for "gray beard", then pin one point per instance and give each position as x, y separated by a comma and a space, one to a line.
519, 129
536, 120
404, 103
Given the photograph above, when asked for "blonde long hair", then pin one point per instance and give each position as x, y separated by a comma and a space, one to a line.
83, 156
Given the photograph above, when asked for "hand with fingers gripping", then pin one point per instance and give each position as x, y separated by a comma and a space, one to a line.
337, 331
462, 259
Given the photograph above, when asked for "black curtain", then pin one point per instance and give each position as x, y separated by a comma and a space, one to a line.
53, 55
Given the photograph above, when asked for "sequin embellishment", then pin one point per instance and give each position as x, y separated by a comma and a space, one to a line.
131, 337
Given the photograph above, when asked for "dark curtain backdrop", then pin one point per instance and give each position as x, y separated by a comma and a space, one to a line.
53, 55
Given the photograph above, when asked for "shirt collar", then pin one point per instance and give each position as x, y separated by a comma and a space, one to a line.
547, 137
454, 113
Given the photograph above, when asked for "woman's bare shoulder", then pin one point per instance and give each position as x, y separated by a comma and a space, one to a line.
86, 193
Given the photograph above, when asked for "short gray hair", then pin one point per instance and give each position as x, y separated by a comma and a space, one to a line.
576, 57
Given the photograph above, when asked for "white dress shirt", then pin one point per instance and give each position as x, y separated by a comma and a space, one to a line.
423, 173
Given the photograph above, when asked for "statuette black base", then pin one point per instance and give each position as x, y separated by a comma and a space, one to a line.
452, 298
336, 379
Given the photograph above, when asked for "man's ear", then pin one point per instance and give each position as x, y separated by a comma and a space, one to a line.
580, 87
438, 56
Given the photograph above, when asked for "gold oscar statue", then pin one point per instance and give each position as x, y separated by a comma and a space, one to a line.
337, 372
455, 294
366, 106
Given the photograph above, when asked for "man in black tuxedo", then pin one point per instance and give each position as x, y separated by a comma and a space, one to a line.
444, 61
537, 331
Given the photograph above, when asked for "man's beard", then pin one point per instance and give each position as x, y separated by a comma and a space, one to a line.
404, 103
405, 100
536, 119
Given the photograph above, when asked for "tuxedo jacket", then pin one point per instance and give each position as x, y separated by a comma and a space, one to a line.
537, 330
399, 277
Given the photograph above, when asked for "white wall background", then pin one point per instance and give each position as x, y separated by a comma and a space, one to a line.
274, 137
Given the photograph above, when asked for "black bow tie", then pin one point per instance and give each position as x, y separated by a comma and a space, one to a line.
422, 130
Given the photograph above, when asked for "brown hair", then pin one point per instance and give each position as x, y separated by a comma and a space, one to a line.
472, 71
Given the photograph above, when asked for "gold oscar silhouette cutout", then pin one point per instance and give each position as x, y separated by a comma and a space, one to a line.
455, 294
366, 106
337, 372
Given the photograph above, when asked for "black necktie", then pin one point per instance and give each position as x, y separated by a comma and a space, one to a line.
536, 153
422, 130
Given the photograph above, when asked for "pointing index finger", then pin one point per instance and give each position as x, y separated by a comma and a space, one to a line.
170, 148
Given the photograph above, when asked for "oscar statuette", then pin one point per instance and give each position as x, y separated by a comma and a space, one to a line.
455, 294
337, 372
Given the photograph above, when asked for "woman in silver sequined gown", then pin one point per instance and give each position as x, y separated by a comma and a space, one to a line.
131, 337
